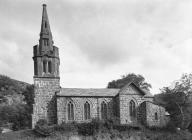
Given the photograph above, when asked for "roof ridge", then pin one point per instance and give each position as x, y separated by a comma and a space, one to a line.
93, 88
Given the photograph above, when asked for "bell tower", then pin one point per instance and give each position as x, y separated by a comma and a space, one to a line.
45, 54
46, 74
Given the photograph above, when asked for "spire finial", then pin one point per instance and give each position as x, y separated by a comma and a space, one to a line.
44, 5
45, 34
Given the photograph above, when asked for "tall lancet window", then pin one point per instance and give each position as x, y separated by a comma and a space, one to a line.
87, 115
132, 109
44, 66
103, 110
35, 67
156, 116
46, 42
70, 111
49, 67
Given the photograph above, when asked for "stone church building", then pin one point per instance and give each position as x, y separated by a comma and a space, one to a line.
128, 105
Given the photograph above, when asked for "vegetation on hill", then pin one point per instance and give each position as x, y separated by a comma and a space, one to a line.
10, 86
16, 99
138, 79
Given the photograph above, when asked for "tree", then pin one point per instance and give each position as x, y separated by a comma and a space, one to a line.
16, 114
8, 86
29, 97
177, 101
139, 80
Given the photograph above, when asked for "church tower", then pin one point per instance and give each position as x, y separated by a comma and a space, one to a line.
46, 74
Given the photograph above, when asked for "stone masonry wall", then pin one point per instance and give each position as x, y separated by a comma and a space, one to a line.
44, 106
124, 107
125, 96
95, 108
151, 109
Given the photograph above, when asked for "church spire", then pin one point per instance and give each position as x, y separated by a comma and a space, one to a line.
46, 55
46, 41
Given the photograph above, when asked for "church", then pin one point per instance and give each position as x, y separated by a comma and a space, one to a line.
129, 105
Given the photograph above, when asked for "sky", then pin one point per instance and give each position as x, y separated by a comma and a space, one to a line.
100, 40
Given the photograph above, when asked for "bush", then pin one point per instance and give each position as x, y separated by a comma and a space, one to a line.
42, 128
86, 129
108, 124
71, 127
97, 124
125, 127
171, 126
15, 114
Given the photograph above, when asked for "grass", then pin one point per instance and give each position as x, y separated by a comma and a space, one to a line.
105, 135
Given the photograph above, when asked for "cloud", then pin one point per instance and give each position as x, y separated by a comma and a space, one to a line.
100, 40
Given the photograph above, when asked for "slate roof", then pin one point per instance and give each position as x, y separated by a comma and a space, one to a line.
98, 92
108, 92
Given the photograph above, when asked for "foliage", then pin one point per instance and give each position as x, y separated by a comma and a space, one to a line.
139, 80
71, 127
88, 128
16, 114
19, 110
42, 128
29, 97
109, 135
177, 101
10, 86
184, 84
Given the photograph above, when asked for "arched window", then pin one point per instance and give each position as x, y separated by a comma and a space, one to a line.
35, 67
87, 111
44, 66
46, 42
49, 67
103, 110
132, 109
70, 109
156, 116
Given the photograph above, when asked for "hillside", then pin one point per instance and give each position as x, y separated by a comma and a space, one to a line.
11, 90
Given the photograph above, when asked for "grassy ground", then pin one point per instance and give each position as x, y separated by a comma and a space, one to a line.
111, 135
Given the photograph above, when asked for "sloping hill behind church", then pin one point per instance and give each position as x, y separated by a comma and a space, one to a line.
11, 90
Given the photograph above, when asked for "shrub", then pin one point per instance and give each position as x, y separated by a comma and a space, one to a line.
125, 127
109, 124
97, 124
42, 128
115, 134
71, 127
86, 129
171, 126
15, 114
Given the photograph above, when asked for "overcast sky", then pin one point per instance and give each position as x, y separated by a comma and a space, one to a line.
100, 40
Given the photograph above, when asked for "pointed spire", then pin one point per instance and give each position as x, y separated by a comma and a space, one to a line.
45, 34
